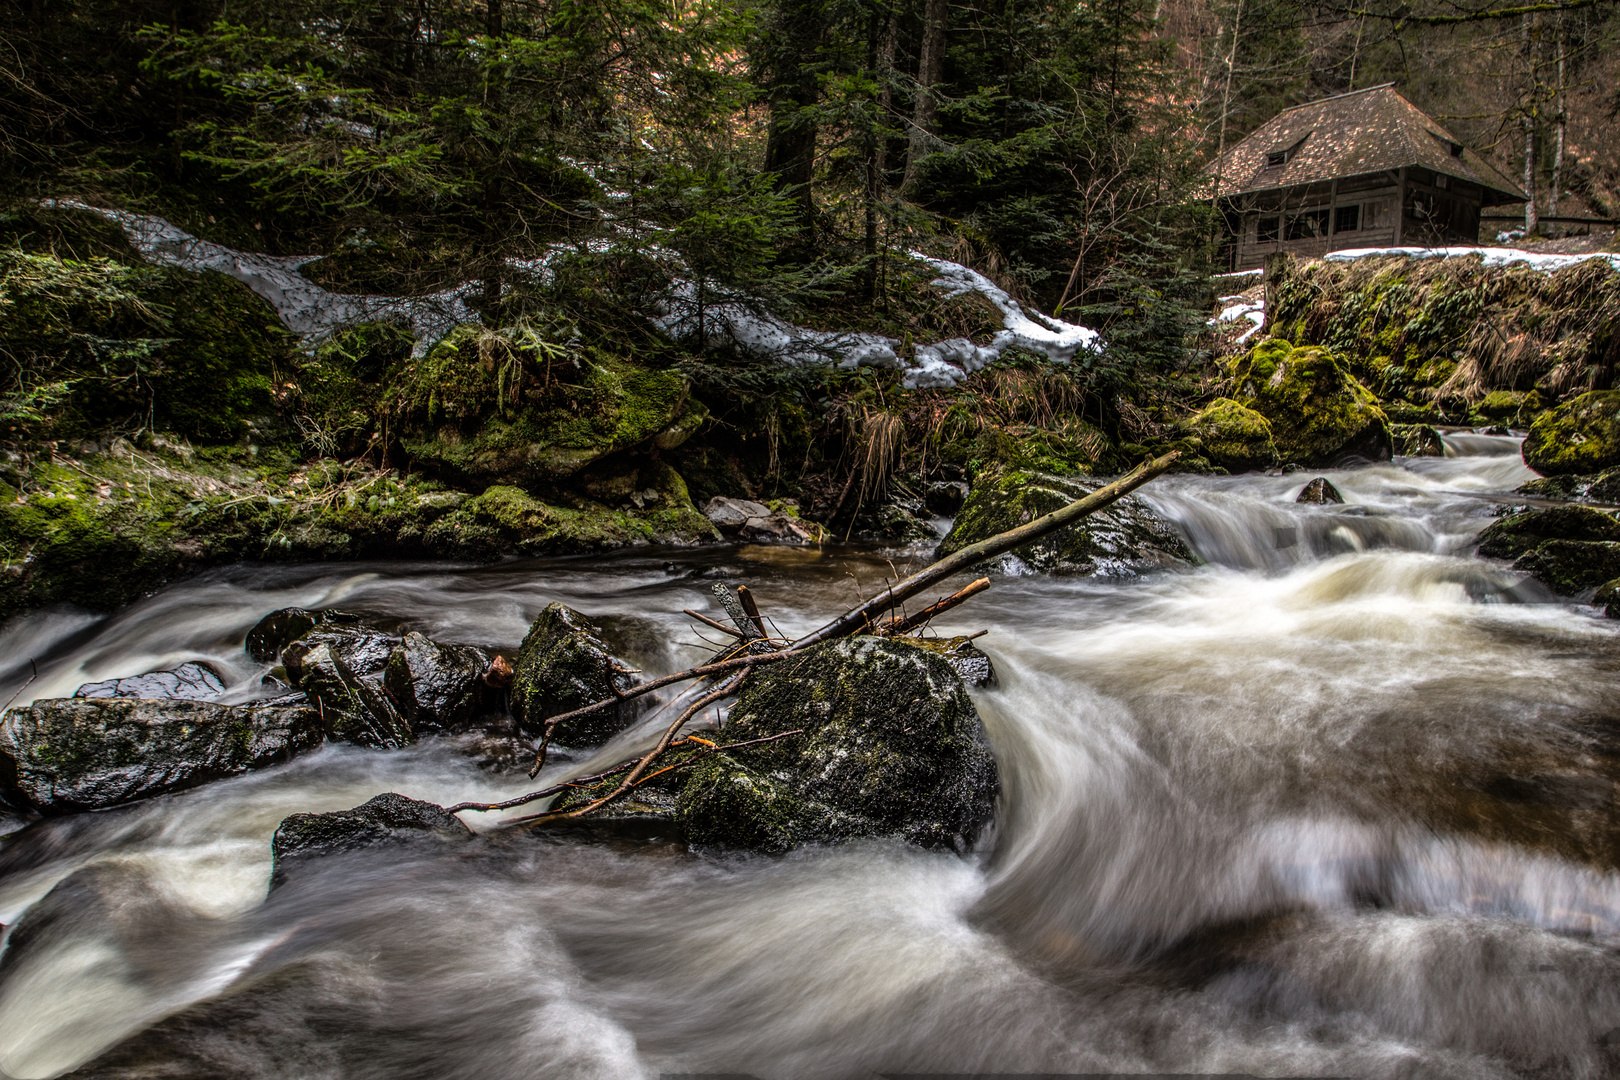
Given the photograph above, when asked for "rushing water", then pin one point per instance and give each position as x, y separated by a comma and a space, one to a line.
1340, 803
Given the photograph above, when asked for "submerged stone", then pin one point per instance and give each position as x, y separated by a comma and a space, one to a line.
1125, 538
193, 680
66, 754
437, 686
279, 629
1516, 534
562, 666
890, 745
1236, 438
1319, 413
385, 820
1579, 436
1321, 492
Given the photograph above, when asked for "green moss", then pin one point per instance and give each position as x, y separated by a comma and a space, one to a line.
1318, 412
1234, 437
564, 665
1516, 534
1580, 436
1570, 567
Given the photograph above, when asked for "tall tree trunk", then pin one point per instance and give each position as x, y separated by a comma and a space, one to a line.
790, 138
925, 109
1562, 125
873, 139
1527, 120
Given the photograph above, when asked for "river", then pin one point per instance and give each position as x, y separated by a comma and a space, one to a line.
1339, 803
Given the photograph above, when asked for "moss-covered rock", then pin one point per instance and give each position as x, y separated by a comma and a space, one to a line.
1579, 436
564, 665
1416, 440
352, 709
1516, 534
67, 754
1319, 413
1125, 538
1570, 567
890, 746
485, 418
1235, 438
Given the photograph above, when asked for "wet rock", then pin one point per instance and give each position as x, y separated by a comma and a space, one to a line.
1125, 538
1519, 533
1603, 488
562, 666
193, 680
1416, 440
1321, 492
437, 686
965, 658
744, 519
1608, 595
945, 497
896, 521
362, 650
1319, 413
891, 746
1237, 439
386, 820
281, 628
1579, 436
67, 754
352, 709
1570, 567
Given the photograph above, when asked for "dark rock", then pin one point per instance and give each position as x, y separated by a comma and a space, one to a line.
891, 746
562, 666
1517, 534
965, 658
1125, 538
363, 651
66, 754
945, 497
386, 820
437, 686
1579, 436
352, 709
1569, 567
1320, 491
1604, 488
1608, 594
896, 521
281, 628
193, 681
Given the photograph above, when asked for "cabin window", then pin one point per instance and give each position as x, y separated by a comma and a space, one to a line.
1276, 159
1442, 182
1265, 230
1308, 225
1347, 218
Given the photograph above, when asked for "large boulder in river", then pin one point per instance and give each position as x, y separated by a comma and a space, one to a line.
66, 754
1319, 413
387, 820
1512, 536
889, 745
563, 665
437, 686
353, 709
1571, 567
1124, 538
193, 680
281, 628
1579, 436
1235, 438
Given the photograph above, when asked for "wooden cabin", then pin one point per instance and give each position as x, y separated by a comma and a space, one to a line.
1363, 169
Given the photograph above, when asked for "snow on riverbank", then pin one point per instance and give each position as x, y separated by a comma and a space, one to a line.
1536, 260
315, 313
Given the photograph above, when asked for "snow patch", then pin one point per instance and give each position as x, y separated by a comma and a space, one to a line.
1254, 312
1543, 261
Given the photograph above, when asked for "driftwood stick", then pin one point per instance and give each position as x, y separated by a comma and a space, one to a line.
900, 624
728, 600
715, 623
752, 609
860, 617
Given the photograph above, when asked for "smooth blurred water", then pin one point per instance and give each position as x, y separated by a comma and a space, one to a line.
1339, 802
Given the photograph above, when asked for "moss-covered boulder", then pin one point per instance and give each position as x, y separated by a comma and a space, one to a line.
890, 746
1579, 436
1235, 438
484, 414
1516, 534
1319, 413
67, 754
1571, 567
1125, 538
388, 820
564, 665
1417, 440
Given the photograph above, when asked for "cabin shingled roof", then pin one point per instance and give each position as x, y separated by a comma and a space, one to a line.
1363, 131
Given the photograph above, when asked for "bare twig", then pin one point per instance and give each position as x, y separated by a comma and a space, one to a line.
715, 623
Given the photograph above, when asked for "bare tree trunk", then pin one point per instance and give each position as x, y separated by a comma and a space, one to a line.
1562, 125
1226, 106
925, 110
1527, 120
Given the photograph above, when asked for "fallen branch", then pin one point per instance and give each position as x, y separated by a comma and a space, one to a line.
715, 623
900, 624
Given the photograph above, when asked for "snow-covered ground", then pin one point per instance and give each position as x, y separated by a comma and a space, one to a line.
315, 313
1493, 256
